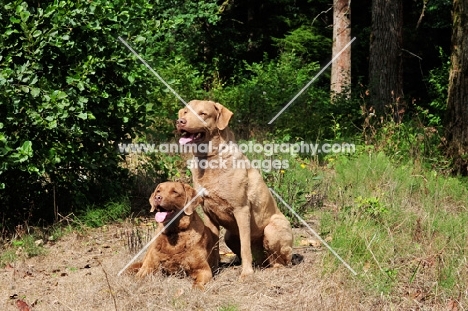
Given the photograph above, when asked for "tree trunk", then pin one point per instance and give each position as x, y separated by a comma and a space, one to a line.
457, 102
341, 67
385, 59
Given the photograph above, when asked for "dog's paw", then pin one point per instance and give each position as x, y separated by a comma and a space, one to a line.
142, 273
198, 286
133, 269
246, 273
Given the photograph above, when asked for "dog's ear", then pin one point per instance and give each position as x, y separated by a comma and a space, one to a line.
191, 193
153, 206
224, 115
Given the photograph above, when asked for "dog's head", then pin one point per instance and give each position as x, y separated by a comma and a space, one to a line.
169, 198
195, 131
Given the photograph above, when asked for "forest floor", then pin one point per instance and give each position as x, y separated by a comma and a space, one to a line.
79, 271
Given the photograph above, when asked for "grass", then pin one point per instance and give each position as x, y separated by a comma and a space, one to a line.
95, 217
400, 225
25, 246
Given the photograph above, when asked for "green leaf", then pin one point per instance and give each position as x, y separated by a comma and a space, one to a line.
26, 148
34, 80
83, 115
61, 95
14, 20
10, 31
140, 39
80, 86
52, 124
35, 91
24, 15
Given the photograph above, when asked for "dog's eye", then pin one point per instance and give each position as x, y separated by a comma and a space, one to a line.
175, 192
203, 113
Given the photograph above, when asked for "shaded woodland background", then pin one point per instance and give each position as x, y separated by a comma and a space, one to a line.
70, 91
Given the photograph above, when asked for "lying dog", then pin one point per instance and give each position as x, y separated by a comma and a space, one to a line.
186, 244
237, 198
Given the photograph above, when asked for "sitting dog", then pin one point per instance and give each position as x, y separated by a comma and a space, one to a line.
185, 244
237, 198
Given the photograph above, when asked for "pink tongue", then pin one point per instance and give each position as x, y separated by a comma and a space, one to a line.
160, 216
184, 140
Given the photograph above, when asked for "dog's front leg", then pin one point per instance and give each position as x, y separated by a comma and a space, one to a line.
242, 216
214, 229
201, 276
150, 263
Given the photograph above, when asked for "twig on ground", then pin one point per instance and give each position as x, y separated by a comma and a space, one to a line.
108, 284
373, 256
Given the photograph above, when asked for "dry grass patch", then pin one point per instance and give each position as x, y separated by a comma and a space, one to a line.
79, 272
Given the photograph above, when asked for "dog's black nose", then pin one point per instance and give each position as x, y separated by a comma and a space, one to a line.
181, 122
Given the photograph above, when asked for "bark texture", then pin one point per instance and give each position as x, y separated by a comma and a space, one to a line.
457, 102
341, 67
385, 56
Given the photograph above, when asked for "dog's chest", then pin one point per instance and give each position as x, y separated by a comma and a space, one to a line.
218, 209
174, 253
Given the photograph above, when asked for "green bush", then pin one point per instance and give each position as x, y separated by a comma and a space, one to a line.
438, 89
68, 93
263, 91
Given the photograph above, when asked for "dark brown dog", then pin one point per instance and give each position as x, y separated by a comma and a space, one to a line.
186, 244
237, 198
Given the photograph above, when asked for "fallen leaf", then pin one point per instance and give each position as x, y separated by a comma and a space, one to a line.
22, 306
366, 266
417, 295
452, 305
179, 293
310, 242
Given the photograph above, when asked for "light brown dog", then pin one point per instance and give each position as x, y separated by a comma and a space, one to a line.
186, 245
237, 198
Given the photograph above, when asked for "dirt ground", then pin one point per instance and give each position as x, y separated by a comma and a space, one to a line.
79, 272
